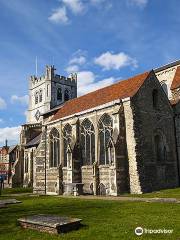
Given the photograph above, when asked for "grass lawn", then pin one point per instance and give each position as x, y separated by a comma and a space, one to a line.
167, 193
102, 219
16, 190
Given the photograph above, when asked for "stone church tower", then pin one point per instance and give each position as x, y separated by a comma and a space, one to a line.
48, 91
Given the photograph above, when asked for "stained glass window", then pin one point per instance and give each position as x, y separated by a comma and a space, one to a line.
87, 142
105, 133
54, 148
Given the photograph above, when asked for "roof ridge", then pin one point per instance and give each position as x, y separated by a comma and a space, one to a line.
118, 82
118, 90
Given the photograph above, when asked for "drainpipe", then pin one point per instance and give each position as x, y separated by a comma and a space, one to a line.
45, 174
177, 153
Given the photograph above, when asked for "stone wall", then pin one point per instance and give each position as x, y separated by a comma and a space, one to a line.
28, 176
134, 181
97, 179
39, 179
18, 169
87, 179
176, 109
149, 121
136, 168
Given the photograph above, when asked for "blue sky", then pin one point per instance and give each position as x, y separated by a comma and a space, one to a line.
102, 40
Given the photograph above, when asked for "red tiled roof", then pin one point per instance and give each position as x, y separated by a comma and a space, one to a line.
119, 90
176, 81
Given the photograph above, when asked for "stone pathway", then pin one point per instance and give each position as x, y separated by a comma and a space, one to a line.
131, 199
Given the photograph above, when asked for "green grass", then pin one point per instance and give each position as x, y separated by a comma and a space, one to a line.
16, 190
167, 193
102, 219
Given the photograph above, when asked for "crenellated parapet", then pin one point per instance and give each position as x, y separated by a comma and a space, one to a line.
71, 80
48, 91
51, 76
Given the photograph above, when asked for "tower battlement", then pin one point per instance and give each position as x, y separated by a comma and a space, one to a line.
51, 76
48, 91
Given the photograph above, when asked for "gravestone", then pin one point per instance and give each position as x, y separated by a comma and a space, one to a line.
9, 201
50, 223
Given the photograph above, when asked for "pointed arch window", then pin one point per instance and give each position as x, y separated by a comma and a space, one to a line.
54, 148
155, 98
40, 95
36, 98
66, 95
105, 135
59, 94
160, 148
87, 142
67, 139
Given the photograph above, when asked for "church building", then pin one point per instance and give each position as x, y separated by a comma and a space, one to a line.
121, 138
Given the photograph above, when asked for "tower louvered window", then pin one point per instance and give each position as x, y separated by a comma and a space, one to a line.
66, 95
40, 96
36, 98
59, 94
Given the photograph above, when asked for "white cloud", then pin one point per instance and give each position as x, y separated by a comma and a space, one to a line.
10, 133
76, 6
109, 60
139, 3
97, 1
72, 69
2, 104
87, 82
78, 60
85, 77
59, 15
18, 99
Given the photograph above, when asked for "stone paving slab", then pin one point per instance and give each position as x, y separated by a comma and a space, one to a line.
50, 223
9, 201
